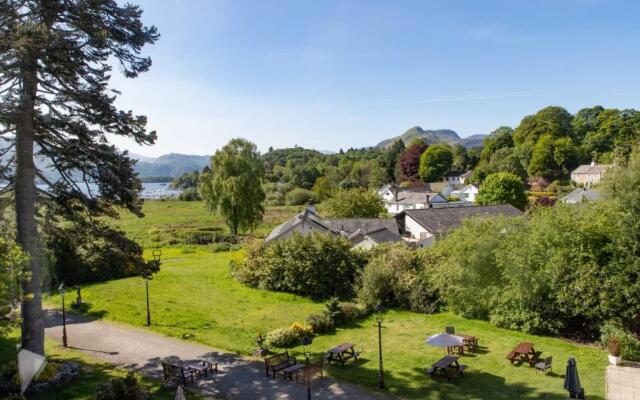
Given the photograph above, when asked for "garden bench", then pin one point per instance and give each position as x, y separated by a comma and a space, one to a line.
278, 362
173, 371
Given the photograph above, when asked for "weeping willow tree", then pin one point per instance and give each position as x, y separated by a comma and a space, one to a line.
56, 59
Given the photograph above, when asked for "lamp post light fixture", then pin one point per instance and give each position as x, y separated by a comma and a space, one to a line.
306, 341
63, 290
379, 309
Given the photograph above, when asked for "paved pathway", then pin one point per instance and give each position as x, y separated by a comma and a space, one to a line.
623, 382
140, 349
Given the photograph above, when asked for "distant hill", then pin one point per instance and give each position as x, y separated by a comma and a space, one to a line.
172, 164
434, 136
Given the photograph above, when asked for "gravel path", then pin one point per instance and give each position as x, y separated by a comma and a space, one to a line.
143, 350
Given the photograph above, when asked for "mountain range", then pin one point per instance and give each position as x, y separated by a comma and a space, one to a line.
172, 164
435, 136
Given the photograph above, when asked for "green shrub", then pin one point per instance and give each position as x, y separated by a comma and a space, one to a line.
628, 342
352, 311
126, 388
281, 337
302, 330
316, 265
190, 194
299, 196
395, 277
320, 323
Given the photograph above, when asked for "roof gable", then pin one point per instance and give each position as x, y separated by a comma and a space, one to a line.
442, 220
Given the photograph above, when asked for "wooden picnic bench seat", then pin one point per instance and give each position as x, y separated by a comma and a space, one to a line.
512, 356
278, 362
174, 371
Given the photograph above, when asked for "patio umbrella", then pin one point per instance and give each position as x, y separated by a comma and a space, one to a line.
179, 393
444, 340
571, 379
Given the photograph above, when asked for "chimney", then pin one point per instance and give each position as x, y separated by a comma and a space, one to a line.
394, 188
429, 201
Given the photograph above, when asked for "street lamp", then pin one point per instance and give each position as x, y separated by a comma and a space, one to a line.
156, 253
63, 290
379, 309
306, 341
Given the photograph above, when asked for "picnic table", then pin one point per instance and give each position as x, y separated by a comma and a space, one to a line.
342, 353
447, 366
469, 341
202, 368
524, 352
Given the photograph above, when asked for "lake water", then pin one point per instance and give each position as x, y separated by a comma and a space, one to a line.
152, 190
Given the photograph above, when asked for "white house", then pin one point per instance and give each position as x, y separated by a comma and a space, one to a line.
362, 232
467, 193
460, 179
589, 174
399, 199
422, 227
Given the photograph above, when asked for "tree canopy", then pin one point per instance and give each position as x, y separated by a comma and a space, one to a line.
233, 187
56, 60
436, 162
502, 188
355, 203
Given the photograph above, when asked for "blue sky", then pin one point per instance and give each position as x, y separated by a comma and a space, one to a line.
337, 74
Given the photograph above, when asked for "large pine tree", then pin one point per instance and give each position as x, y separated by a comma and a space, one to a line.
56, 57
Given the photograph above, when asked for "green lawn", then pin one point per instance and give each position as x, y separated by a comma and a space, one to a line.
93, 373
193, 297
165, 221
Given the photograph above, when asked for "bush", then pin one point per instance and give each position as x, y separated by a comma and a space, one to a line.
199, 237
299, 196
351, 311
355, 203
628, 344
126, 388
190, 194
316, 265
320, 323
302, 330
281, 337
219, 247
394, 277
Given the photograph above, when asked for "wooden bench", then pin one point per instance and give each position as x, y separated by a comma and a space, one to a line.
277, 363
512, 357
173, 371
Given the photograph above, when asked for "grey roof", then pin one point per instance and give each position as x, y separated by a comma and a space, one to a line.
465, 174
579, 195
378, 236
414, 197
442, 220
592, 169
305, 216
351, 225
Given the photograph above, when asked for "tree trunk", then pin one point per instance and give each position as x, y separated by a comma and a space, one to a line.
26, 196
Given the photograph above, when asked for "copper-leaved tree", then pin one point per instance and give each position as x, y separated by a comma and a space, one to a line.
56, 58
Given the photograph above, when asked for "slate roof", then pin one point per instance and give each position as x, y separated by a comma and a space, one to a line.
437, 187
414, 197
378, 236
351, 225
579, 195
592, 169
307, 216
442, 220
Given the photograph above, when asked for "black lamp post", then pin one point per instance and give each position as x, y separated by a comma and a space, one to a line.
157, 253
64, 316
379, 309
306, 341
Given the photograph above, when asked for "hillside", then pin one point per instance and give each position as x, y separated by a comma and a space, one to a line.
172, 164
435, 136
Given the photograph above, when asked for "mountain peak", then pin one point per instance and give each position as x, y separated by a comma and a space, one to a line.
428, 135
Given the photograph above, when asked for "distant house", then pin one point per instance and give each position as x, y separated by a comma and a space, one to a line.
589, 174
467, 193
367, 240
459, 179
422, 227
399, 199
362, 232
581, 195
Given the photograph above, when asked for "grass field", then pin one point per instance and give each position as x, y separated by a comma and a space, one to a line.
165, 222
194, 298
93, 373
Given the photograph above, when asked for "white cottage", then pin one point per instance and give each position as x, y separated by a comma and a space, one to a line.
422, 227
467, 193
